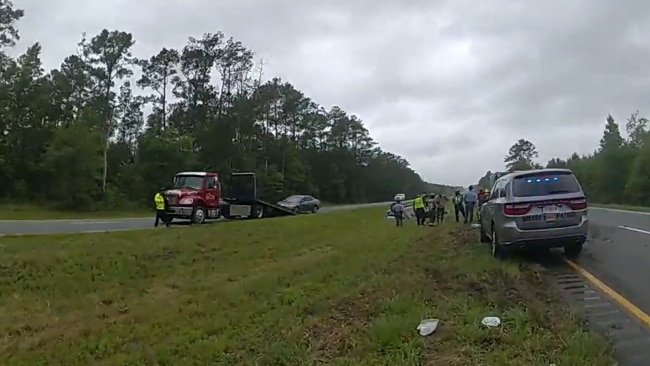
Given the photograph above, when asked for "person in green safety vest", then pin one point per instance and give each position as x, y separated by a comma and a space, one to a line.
418, 207
161, 208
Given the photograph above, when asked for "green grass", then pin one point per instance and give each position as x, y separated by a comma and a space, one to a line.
345, 288
621, 207
33, 212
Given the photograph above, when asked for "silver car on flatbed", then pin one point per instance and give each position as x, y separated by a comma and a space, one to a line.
535, 209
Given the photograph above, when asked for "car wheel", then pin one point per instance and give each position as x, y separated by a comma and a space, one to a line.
483, 236
573, 251
498, 251
315, 209
198, 216
296, 210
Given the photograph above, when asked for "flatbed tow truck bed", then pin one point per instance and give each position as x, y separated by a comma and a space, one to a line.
243, 200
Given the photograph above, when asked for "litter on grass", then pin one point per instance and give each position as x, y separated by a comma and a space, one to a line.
491, 321
428, 326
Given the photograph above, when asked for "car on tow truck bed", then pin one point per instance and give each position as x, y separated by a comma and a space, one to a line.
543, 208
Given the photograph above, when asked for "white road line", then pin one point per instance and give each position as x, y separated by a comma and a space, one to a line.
618, 210
633, 229
96, 222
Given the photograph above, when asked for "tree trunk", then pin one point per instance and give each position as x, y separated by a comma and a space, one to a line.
105, 172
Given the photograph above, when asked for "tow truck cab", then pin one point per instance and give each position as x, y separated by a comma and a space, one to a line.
194, 196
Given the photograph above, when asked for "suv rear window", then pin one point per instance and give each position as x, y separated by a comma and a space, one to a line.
545, 184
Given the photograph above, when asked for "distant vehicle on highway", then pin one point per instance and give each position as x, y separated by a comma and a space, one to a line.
544, 208
400, 197
301, 203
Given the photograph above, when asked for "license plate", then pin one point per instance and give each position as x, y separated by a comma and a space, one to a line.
550, 212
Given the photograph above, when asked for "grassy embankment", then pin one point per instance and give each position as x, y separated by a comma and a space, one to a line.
345, 288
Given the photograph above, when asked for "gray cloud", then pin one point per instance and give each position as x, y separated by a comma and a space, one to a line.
450, 85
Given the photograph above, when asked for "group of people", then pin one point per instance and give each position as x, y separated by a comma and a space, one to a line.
468, 203
431, 208
427, 207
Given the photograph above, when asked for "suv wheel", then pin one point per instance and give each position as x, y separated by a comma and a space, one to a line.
198, 216
483, 236
498, 251
572, 251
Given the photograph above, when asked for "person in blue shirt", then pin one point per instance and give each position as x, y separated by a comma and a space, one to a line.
470, 198
398, 212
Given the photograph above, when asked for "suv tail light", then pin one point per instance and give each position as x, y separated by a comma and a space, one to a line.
578, 204
516, 209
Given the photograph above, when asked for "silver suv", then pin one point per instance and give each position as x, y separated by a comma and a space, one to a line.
531, 209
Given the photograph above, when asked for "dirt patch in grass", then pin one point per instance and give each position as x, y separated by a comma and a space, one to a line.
345, 288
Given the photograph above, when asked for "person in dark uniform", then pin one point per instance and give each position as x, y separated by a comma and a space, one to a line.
161, 208
439, 203
459, 208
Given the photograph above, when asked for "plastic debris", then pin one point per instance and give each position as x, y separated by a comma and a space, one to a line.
476, 225
428, 326
491, 321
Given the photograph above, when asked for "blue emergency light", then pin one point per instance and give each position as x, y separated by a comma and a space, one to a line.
539, 180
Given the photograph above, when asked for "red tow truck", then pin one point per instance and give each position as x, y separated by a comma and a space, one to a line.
198, 196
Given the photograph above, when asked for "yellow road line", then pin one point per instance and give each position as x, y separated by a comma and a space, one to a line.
622, 301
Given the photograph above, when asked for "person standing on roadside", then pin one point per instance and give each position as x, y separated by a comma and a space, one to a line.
398, 212
470, 198
458, 206
439, 203
161, 208
418, 207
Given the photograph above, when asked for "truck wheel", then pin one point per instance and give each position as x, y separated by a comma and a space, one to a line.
257, 212
198, 215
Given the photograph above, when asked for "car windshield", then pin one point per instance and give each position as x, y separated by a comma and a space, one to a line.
293, 199
188, 181
544, 184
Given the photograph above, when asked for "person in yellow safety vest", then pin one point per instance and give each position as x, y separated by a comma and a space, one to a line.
418, 206
161, 208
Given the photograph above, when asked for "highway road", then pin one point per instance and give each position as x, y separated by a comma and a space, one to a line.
36, 227
618, 253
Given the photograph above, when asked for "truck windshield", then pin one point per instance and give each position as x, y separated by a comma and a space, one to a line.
188, 181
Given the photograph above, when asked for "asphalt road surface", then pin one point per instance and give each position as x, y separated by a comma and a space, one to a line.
618, 253
35, 227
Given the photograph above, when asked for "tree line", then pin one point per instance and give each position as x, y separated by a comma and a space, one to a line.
107, 129
617, 172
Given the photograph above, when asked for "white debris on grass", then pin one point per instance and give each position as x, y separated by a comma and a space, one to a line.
428, 326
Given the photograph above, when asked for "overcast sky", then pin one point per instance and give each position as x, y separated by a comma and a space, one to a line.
449, 85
